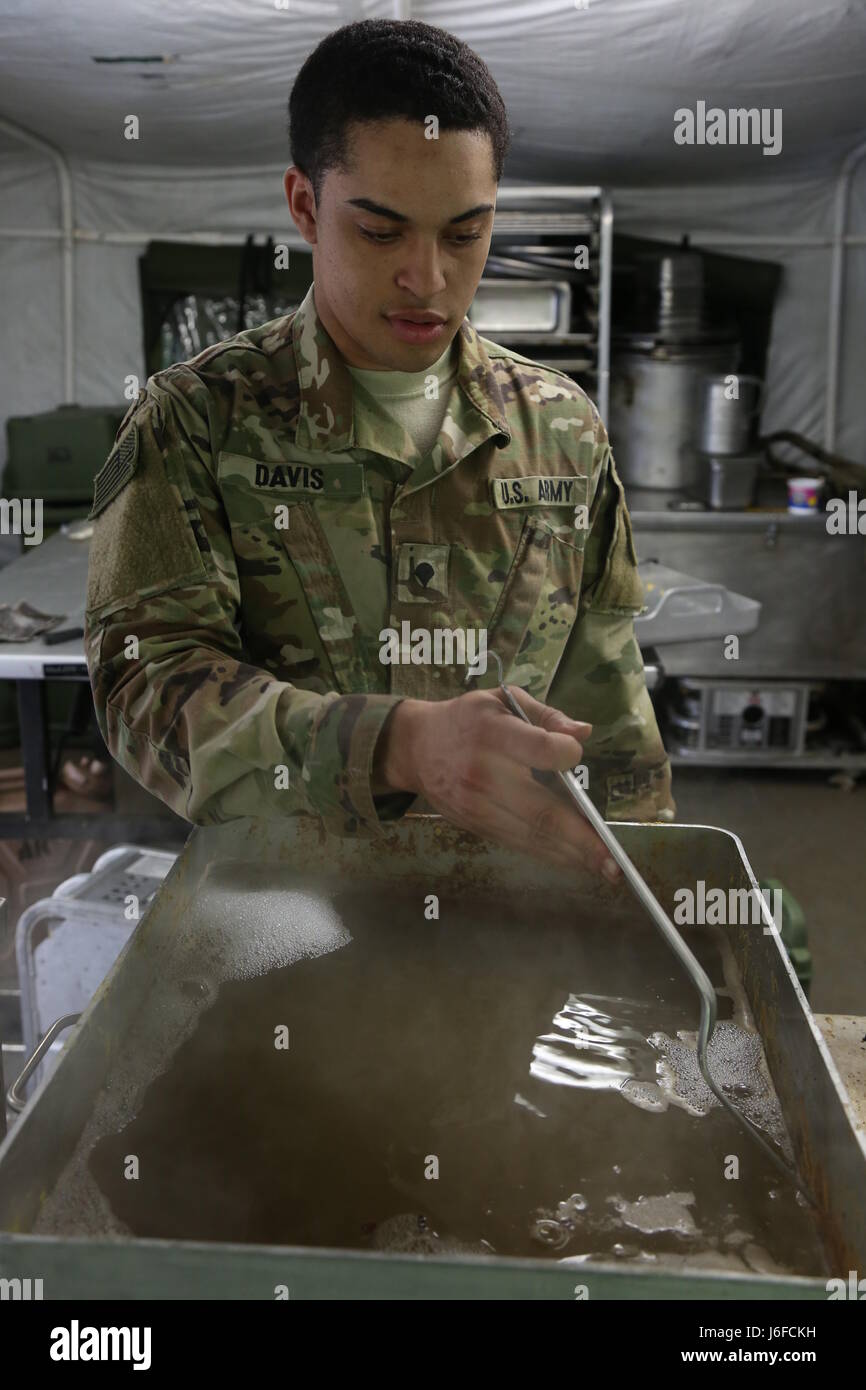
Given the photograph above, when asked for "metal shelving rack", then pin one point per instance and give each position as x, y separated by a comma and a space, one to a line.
548, 212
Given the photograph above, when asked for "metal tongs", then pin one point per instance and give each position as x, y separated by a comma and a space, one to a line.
647, 898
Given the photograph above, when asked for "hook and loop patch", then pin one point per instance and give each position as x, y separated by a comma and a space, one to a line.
116, 471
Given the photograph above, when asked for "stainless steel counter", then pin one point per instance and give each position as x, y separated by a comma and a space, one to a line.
811, 586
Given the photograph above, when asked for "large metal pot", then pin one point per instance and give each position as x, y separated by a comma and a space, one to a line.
655, 411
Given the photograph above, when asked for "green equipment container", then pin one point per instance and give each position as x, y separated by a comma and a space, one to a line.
56, 455
793, 932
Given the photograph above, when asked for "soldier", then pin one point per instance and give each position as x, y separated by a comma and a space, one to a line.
288, 519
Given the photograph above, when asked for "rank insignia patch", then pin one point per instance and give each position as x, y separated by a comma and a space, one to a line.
422, 573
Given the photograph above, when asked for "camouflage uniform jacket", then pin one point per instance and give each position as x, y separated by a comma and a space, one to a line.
256, 529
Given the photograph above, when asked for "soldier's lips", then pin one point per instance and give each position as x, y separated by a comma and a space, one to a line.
409, 332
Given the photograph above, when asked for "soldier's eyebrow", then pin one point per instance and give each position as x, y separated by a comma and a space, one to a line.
369, 206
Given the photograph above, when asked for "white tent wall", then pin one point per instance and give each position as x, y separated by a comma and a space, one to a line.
788, 223
31, 358
591, 88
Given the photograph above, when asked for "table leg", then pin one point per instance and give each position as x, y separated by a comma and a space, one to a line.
34, 748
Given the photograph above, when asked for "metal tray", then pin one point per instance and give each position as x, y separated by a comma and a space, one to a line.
521, 306
119, 872
831, 1156
681, 608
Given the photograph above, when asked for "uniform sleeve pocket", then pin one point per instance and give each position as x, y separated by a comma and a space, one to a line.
619, 589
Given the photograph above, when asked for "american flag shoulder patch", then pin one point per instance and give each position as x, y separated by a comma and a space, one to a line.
116, 471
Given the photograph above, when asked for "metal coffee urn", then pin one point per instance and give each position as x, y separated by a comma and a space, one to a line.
657, 374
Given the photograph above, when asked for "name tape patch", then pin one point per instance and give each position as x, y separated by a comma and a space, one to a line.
539, 491
323, 480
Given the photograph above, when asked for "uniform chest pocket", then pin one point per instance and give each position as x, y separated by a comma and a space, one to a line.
277, 625
296, 616
352, 654
295, 608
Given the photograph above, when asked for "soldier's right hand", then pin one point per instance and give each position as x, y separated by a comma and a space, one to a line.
482, 768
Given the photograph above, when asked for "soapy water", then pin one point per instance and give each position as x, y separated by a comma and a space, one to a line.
653, 1214
594, 1048
555, 1228
409, 1040
412, 1234
283, 926
654, 1219
736, 1061
600, 1045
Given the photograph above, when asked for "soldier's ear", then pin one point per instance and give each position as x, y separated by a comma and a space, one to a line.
301, 199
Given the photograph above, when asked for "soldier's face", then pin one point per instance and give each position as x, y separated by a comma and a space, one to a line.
406, 229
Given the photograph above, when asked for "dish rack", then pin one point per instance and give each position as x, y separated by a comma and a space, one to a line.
546, 288
66, 944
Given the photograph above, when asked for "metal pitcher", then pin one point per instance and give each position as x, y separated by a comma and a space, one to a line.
727, 420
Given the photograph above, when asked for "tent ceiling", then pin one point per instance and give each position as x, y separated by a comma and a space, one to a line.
591, 93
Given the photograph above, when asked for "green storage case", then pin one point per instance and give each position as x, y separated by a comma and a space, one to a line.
56, 455
793, 933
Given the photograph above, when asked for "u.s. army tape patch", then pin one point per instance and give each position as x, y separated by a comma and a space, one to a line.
116, 471
539, 491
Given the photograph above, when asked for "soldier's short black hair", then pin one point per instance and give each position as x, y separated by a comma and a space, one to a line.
385, 69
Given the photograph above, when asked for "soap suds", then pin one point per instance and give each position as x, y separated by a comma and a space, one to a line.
282, 925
